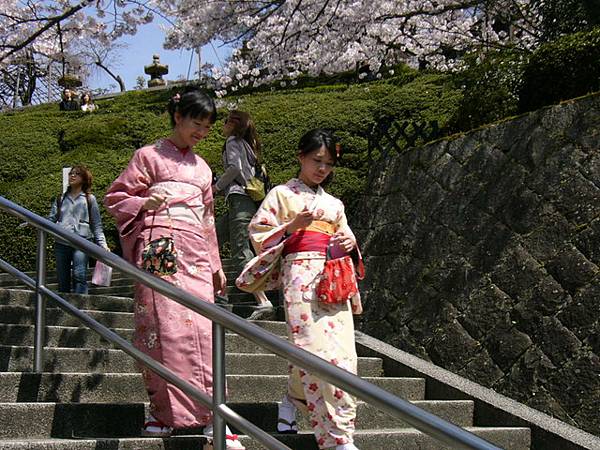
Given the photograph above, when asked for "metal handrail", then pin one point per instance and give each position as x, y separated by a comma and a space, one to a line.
424, 421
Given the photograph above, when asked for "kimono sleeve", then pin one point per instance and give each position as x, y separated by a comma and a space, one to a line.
125, 197
267, 227
342, 223
210, 231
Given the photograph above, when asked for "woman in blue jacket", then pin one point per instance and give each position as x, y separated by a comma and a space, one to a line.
76, 211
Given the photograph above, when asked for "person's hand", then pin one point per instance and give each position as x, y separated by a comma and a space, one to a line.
153, 202
106, 247
302, 220
219, 282
344, 241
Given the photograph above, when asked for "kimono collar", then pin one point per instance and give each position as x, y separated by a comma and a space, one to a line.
303, 184
182, 150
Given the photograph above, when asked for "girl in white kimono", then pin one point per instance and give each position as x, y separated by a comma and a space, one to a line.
302, 219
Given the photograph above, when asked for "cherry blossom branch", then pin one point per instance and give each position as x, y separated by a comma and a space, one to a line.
49, 24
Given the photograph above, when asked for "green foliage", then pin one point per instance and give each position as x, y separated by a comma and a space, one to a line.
562, 17
491, 84
566, 68
39, 141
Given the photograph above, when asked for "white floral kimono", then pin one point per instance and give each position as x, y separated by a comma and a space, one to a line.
326, 330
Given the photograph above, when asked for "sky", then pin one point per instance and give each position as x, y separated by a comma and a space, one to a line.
130, 61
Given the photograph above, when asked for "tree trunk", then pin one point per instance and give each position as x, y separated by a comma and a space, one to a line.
115, 77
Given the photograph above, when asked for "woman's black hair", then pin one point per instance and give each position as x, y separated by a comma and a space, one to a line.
315, 139
192, 103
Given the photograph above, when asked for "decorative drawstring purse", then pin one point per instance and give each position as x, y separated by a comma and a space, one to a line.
159, 255
338, 281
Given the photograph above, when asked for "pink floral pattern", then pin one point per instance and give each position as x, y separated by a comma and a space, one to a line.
165, 330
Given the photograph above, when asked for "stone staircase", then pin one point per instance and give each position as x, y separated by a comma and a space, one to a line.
91, 396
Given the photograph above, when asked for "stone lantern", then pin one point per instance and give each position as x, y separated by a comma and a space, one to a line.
156, 70
69, 80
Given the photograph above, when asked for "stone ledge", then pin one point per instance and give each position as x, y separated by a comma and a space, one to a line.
490, 407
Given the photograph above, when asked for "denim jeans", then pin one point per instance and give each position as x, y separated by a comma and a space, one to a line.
232, 227
74, 280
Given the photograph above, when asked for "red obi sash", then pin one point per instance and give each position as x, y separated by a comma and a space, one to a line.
306, 241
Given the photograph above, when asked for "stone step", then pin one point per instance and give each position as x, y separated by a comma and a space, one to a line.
61, 336
128, 387
19, 359
107, 303
14, 297
24, 315
72, 337
56, 317
459, 412
7, 279
51, 274
56, 336
125, 290
51, 280
39, 420
398, 439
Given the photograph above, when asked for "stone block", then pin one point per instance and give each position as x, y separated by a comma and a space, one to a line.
574, 383
447, 171
572, 269
557, 342
482, 369
530, 373
553, 230
452, 347
587, 241
521, 211
516, 272
487, 307
581, 314
548, 297
486, 162
506, 344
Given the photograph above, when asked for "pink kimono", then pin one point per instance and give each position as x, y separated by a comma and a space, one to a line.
168, 332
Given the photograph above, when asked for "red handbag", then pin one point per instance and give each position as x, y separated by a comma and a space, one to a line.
338, 281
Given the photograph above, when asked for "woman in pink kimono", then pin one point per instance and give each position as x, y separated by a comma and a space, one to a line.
296, 222
166, 191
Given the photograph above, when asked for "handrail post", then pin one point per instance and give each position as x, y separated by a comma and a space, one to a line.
218, 336
40, 304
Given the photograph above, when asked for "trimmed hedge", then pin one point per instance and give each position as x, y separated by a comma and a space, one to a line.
491, 88
566, 68
39, 141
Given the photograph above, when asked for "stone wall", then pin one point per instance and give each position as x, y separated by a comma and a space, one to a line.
483, 255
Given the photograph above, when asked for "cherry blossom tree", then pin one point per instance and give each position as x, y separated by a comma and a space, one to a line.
280, 39
283, 39
62, 32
